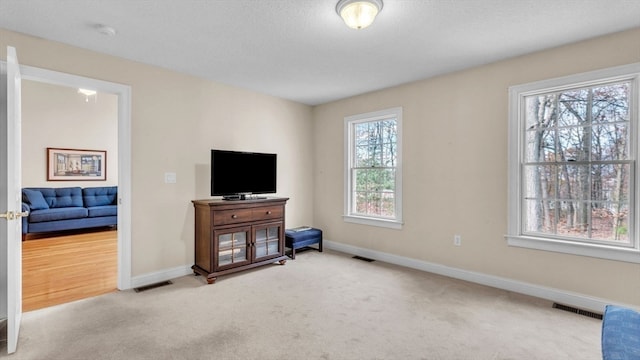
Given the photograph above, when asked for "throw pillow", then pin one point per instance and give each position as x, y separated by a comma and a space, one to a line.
35, 199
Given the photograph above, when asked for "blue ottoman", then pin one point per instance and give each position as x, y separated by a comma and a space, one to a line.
302, 237
620, 333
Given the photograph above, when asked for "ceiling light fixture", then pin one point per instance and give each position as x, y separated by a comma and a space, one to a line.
358, 14
87, 93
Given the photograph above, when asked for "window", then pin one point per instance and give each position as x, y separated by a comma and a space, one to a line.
373, 174
573, 154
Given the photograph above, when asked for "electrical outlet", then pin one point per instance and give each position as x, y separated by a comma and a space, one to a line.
457, 240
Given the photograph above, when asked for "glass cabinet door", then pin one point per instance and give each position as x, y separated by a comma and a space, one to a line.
267, 241
232, 247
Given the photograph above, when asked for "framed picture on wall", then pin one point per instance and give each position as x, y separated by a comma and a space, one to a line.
76, 165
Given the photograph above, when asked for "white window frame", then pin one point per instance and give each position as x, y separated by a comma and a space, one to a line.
349, 122
517, 94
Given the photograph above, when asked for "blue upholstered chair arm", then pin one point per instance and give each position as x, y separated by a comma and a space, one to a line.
620, 333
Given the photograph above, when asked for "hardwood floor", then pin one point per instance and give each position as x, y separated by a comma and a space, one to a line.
60, 269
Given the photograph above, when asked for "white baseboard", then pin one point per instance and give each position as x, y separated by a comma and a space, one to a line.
160, 276
576, 300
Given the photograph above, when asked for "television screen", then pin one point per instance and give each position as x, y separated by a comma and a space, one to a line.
240, 173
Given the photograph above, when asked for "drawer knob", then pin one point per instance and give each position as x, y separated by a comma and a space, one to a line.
268, 212
234, 216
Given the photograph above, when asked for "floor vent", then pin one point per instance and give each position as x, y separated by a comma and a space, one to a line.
152, 286
577, 311
363, 258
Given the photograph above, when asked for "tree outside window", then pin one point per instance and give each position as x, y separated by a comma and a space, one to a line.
577, 164
374, 170
573, 148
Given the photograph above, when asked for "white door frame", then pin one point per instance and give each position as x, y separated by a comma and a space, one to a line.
123, 92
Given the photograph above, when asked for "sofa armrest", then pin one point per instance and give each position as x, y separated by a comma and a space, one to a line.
25, 219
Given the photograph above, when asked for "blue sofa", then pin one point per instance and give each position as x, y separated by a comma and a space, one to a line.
620, 333
68, 208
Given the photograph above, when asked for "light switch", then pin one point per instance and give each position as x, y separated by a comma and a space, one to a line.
170, 178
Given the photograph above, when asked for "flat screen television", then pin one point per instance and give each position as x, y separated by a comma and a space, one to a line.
236, 174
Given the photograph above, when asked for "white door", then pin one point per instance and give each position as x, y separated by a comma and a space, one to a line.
11, 200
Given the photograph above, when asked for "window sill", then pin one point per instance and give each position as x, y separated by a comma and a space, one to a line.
631, 255
391, 224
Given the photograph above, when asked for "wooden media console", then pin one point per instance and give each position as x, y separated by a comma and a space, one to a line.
232, 236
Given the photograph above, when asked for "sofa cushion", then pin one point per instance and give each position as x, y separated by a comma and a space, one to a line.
66, 197
35, 199
107, 210
292, 236
99, 196
57, 214
61, 197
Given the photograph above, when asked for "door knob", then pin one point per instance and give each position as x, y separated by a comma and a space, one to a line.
12, 215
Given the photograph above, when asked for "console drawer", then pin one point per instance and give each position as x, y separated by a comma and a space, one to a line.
268, 212
224, 217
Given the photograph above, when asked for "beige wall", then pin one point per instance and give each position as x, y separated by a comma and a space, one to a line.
60, 117
455, 172
176, 119
455, 163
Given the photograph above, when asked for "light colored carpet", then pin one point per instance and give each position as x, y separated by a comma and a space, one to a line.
319, 306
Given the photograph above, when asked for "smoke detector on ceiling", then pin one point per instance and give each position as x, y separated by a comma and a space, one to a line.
105, 30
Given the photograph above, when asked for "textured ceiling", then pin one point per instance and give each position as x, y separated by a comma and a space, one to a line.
302, 51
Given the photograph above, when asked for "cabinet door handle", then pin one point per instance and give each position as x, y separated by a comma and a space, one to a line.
234, 216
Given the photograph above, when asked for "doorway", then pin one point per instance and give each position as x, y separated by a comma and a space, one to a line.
123, 94
71, 265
